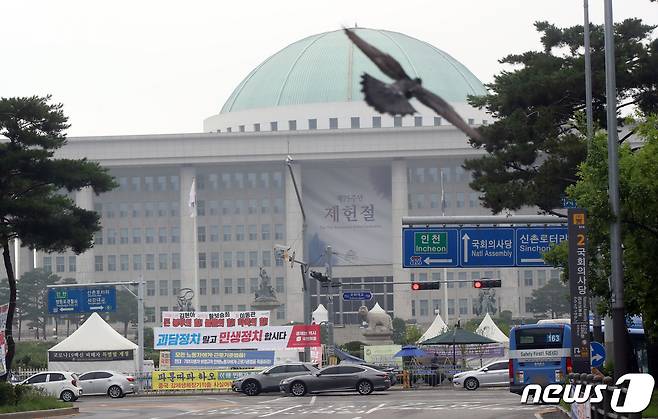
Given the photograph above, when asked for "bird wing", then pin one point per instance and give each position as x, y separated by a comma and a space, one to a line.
387, 64
444, 109
384, 98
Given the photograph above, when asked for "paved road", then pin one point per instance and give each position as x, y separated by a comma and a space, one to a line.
489, 403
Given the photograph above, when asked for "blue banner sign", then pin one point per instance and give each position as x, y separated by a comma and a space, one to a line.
474, 247
81, 300
190, 358
357, 295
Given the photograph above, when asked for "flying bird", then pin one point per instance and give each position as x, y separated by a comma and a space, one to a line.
393, 98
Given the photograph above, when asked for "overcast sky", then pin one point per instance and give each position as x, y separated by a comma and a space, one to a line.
152, 67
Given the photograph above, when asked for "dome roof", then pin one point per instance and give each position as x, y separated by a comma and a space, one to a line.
327, 68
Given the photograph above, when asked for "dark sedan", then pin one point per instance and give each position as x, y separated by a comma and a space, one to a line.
358, 378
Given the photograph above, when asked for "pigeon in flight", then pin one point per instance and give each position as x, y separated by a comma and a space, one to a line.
393, 98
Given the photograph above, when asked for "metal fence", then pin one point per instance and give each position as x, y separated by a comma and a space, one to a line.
603, 410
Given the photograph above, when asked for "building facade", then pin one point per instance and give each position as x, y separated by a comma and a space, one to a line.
358, 174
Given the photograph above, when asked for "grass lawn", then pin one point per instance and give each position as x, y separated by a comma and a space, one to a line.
41, 403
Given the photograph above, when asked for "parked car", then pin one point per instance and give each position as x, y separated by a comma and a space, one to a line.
360, 378
391, 371
61, 384
269, 379
109, 383
494, 374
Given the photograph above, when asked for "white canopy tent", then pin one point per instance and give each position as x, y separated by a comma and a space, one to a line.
95, 345
488, 328
437, 327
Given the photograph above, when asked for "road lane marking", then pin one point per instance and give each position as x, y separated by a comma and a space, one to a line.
280, 411
274, 400
375, 408
312, 400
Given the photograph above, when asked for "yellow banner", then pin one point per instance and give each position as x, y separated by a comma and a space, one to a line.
196, 379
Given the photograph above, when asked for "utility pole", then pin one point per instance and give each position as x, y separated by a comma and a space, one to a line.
330, 301
617, 279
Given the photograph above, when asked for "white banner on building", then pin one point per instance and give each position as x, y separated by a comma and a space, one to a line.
268, 337
350, 209
226, 319
4, 309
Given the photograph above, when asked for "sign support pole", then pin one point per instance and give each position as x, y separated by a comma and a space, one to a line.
140, 330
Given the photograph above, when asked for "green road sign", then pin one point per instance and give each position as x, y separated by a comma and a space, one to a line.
431, 242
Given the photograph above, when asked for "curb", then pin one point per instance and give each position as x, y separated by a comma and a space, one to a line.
41, 413
553, 412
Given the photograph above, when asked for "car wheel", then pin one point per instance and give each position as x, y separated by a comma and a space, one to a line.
364, 387
471, 383
251, 388
67, 396
114, 392
298, 389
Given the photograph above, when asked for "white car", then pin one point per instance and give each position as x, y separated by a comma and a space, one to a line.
61, 384
109, 383
494, 374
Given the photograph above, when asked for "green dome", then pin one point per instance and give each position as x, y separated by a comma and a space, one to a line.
327, 68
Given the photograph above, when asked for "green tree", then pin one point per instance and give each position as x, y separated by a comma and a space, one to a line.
638, 187
126, 311
552, 299
32, 204
412, 334
534, 145
399, 331
33, 298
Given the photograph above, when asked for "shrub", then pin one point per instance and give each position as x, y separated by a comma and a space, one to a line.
7, 394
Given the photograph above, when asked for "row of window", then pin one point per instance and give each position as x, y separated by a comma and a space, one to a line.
433, 201
60, 263
239, 180
165, 261
149, 312
148, 183
242, 259
172, 209
355, 122
421, 308
420, 175
210, 233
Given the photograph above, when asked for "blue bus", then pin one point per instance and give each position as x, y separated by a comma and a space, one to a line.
539, 354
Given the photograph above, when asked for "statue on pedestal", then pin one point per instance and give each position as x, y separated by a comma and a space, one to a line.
265, 294
380, 324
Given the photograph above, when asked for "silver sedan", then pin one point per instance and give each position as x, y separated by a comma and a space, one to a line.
109, 383
358, 378
494, 374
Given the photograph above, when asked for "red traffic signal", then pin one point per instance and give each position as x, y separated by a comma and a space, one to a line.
487, 283
417, 286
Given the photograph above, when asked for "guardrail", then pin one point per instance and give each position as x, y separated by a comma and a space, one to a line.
603, 410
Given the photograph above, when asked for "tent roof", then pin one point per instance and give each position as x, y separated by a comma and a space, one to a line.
94, 335
344, 356
489, 329
460, 337
437, 327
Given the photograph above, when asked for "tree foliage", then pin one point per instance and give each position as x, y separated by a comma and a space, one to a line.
534, 146
126, 311
34, 187
551, 299
32, 298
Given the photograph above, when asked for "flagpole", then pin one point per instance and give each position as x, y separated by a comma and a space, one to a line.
445, 270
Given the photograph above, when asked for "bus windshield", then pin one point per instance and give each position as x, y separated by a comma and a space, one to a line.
539, 338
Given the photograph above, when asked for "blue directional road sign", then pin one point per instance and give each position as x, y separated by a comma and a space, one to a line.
598, 354
430, 247
531, 242
357, 295
487, 246
81, 300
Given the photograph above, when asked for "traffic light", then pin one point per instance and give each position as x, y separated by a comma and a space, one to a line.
417, 286
487, 283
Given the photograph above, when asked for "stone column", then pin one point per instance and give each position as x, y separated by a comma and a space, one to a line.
84, 269
402, 296
188, 248
294, 226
